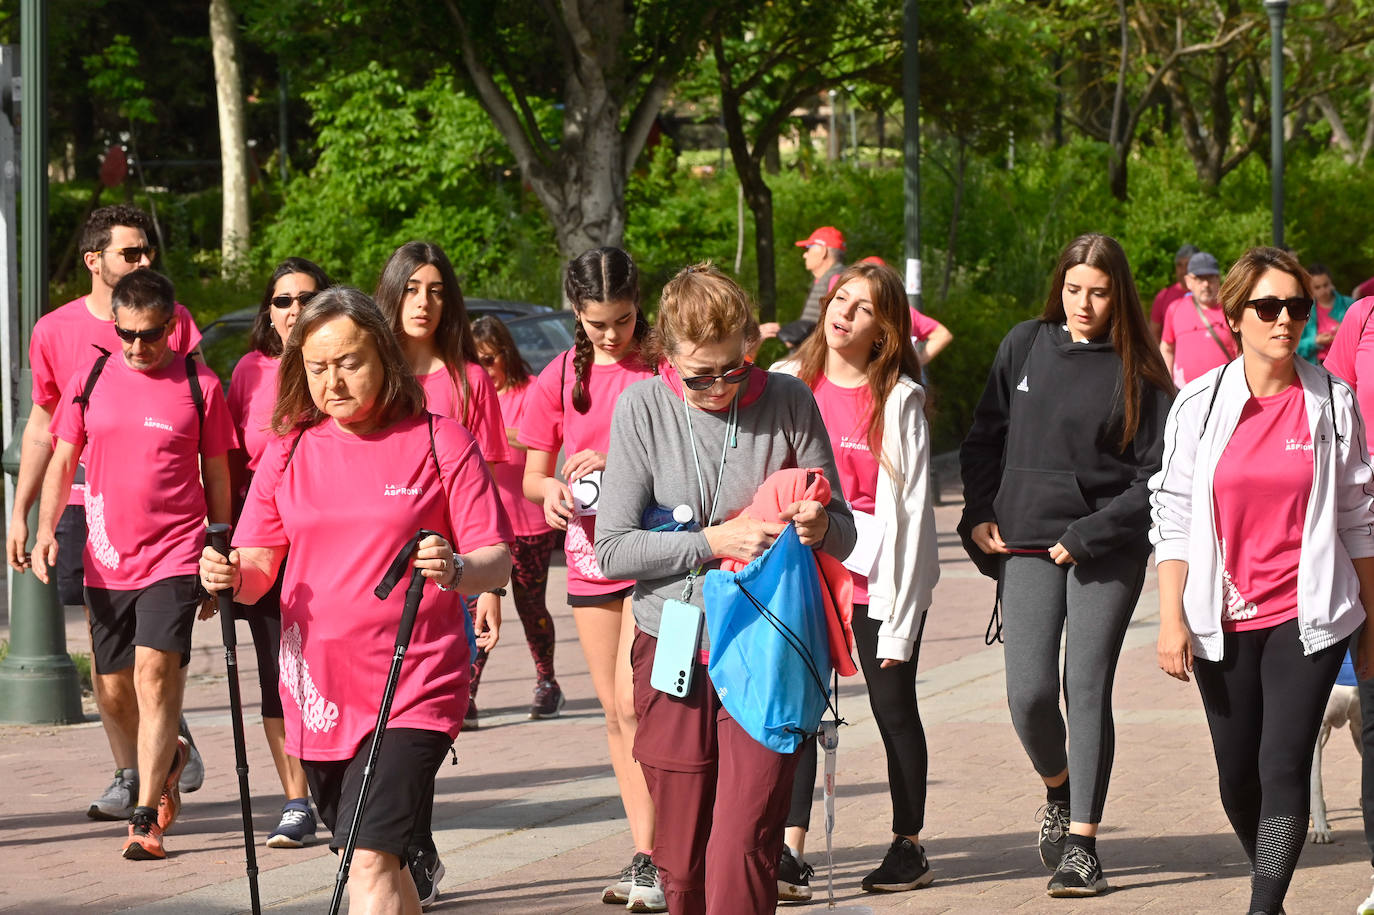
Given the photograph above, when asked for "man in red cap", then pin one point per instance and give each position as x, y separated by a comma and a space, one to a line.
824, 257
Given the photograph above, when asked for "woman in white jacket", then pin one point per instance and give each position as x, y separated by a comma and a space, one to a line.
863, 370
1262, 531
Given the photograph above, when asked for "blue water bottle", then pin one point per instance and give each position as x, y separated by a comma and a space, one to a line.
659, 519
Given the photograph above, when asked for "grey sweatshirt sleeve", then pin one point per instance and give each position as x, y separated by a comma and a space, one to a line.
623, 549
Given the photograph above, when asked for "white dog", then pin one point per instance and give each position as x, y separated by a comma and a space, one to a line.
1342, 709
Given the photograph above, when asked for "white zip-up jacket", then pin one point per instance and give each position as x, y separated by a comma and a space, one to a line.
908, 562
1339, 524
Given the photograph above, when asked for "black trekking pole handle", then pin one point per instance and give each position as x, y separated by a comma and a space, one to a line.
218, 537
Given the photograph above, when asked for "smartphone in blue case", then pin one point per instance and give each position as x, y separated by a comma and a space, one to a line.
679, 637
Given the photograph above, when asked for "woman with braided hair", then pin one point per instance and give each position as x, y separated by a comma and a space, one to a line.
570, 407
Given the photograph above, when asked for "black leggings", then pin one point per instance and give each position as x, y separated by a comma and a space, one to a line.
1264, 702
892, 697
264, 622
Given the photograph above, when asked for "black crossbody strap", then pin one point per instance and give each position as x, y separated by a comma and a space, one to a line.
84, 398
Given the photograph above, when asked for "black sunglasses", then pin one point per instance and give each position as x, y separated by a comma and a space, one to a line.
486, 358
151, 335
706, 382
1269, 307
134, 253
284, 301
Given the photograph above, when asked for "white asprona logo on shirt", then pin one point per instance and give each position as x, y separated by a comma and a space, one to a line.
96, 536
150, 422
396, 489
1294, 444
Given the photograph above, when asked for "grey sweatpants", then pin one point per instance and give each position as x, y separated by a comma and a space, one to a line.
1096, 599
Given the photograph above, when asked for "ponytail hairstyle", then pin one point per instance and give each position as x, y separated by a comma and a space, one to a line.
453, 340
892, 355
1141, 363
600, 275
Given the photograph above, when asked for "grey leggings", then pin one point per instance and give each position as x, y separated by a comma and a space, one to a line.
1096, 599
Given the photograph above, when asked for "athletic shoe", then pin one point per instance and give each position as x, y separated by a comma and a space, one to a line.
618, 893
904, 868
170, 804
297, 826
548, 700
426, 870
1078, 874
1054, 832
193, 776
145, 838
117, 803
470, 716
1366, 907
646, 890
794, 878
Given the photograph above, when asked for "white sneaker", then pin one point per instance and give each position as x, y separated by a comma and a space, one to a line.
1366, 907
646, 890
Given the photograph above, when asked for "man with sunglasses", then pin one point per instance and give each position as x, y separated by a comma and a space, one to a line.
151, 423
114, 244
1196, 338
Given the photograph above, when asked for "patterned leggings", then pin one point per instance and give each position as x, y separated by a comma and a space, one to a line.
529, 580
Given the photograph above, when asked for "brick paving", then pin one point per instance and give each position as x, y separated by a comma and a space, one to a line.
529, 820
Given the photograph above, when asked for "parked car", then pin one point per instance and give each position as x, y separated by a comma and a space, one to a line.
540, 332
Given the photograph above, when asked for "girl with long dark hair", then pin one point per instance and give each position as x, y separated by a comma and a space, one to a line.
1055, 467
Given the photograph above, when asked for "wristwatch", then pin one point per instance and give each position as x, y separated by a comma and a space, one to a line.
458, 566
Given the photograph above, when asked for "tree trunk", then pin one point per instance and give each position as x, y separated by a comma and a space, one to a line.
233, 142
1119, 141
960, 162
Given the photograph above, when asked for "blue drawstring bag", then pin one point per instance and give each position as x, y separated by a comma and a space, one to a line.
769, 650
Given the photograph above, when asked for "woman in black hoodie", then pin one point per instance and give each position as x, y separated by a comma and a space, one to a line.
1055, 467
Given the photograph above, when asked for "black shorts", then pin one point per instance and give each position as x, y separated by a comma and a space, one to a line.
159, 616
596, 600
71, 547
402, 782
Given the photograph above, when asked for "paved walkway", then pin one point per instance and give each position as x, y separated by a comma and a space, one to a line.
529, 820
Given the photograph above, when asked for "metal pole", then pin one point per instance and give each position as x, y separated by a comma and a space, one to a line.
37, 679
1277, 10
911, 127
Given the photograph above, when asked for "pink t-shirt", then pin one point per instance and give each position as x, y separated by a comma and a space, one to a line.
1159, 309
1351, 356
922, 325
142, 439
1195, 352
483, 419
252, 397
344, 504
551, 422
846, 412
64, 340
1325, 325
1260, 492
525, 517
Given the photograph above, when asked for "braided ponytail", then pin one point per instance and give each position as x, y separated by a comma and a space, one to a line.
582, 367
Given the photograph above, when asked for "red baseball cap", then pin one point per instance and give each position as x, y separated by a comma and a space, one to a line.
829, 236
874, 259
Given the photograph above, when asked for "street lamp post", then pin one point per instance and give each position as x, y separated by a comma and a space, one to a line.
911, 131
1277, 10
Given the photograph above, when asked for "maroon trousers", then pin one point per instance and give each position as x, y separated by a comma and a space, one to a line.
720, 797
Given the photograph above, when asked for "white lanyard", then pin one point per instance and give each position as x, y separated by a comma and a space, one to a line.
708, 518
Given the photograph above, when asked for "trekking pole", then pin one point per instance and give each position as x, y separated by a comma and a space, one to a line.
218, 537
414, 592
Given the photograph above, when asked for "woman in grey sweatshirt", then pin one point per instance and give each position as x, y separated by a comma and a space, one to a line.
706, 433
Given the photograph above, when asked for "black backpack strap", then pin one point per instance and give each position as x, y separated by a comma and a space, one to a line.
433, 449
197, 395
84, 398
1216, 389
294, 443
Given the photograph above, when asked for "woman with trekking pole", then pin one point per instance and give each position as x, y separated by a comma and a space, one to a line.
1056, 508
1262, 516
706, 434
357, 468
252, 397
862, 367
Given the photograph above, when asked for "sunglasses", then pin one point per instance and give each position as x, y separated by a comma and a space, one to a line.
151, 335
134, 253
1269, 307
284, 301
487, 358
706, 382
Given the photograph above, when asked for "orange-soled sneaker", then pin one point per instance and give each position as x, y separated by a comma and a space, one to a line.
170, 804
145, 837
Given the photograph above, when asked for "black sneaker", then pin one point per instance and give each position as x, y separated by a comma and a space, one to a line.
548, 700
904, 867
426, 870
1078, 874
1054, 832
794, 878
